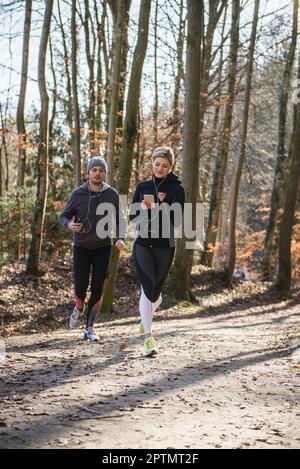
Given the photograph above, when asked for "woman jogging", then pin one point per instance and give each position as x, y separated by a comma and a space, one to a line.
156, 204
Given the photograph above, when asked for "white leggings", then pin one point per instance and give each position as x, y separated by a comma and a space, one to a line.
147, 309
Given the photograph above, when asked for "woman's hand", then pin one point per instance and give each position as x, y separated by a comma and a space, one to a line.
146, 205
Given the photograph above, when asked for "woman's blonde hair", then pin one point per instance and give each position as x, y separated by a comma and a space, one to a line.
163, 152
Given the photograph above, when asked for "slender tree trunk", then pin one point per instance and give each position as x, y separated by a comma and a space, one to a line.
52, 180
280, 179
40, 207
4, 147
20, 121
239, 168
221, 163
180, 280
114, 90
77, 156
205, 172
120, 116
283, 284
141, 145
91, 66
155, 106
21, 103
69, 103
178, 80
99, 84
129, 134
214, 17
1, 173
113, 5
1, 211
106, 61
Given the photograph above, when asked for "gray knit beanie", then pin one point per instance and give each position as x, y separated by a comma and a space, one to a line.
96, 161
163, 152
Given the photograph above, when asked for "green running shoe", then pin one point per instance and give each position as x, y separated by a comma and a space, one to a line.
150, 346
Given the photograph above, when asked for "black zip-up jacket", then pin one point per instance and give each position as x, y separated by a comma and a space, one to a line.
83, 205
150, 235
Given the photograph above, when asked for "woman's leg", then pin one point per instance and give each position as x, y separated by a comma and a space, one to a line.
152, 265
146, 312
163, 258
145, 267
100, 263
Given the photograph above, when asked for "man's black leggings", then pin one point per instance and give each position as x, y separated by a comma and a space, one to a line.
85, 260
152, 266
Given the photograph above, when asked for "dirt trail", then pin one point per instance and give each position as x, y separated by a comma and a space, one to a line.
221, 380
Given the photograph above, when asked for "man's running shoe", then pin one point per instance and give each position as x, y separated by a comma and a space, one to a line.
90, 335
75, 318
150, 346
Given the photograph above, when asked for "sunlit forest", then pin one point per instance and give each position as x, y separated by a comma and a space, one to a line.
217, 82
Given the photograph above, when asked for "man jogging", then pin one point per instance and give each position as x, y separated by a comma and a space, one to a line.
89, 215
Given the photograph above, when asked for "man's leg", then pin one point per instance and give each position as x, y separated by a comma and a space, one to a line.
100, 263
81, 271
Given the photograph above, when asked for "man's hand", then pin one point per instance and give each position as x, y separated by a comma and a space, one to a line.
121, 246
75, 227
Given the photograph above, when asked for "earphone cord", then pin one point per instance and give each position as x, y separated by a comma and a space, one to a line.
147, 227
88, 210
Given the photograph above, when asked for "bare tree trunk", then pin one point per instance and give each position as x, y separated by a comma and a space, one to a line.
214, 17
40, 207
180, 280
280, 179
283, 284
120, 115
221, 163
129, 135
21, 103
77, 155
5, 149
106, 57
21, 122
113, 5
99, 75
206, 158
104, 39
141, 145
114, 90
239, 168
90, 56
1, 173
52, 179
178, 79
155, 106
68, 85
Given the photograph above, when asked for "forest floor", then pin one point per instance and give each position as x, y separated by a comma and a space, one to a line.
225, 376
